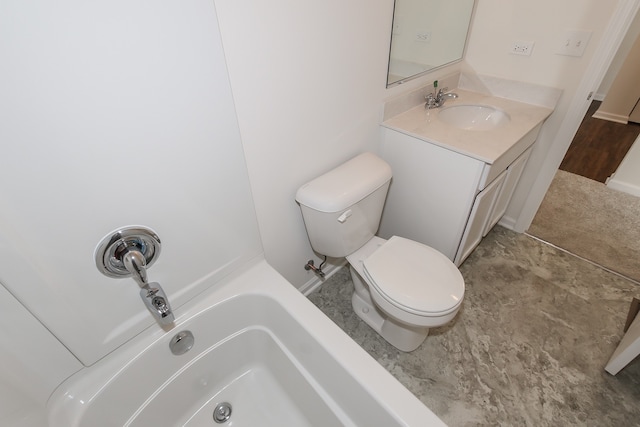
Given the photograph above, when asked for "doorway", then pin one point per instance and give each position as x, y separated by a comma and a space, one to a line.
579, 213
599, 146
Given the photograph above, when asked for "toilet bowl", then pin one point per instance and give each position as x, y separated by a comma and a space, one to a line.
402, 287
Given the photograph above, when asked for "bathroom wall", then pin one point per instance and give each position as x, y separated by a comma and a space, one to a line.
112, 113
309, 84
621, 55
623, 94
497, 23
627, 177
308, 80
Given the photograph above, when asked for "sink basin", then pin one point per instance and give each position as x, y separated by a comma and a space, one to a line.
473, 117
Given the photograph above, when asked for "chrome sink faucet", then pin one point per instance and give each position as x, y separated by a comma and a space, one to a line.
437, 100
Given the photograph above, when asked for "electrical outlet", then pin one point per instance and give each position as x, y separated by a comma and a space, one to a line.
423, 36
520, 47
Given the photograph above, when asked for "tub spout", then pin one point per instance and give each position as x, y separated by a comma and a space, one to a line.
129, 251
152, 294
157, 303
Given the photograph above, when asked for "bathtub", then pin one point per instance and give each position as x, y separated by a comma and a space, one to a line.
261, 351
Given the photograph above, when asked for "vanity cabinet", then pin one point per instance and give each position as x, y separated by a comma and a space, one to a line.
481, 213
513, 174
489, 207
446, 199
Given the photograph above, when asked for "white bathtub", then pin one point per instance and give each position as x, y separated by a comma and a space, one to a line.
262, 347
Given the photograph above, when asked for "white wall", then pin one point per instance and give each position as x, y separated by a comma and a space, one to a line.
620, 57
112, 113
308, 80
308, 83
113, 119
627, 176
497, 23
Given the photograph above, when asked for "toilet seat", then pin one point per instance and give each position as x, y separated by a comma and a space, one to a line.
414, 278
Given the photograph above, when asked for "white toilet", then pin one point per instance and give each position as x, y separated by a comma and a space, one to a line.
402, 288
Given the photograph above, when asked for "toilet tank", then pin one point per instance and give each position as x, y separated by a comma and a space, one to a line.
342, 208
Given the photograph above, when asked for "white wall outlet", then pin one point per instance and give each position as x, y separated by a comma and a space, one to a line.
519, 47
423, 36
573, 42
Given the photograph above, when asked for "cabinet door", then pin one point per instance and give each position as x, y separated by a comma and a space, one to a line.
514, 171
480, 215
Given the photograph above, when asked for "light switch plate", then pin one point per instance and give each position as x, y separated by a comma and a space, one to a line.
573, 42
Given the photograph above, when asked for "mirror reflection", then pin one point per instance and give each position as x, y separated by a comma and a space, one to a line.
427, 34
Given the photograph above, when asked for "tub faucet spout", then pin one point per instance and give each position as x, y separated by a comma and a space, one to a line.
152, 294
157, 303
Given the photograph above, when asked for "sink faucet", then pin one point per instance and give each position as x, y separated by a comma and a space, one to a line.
152, 294
437, 100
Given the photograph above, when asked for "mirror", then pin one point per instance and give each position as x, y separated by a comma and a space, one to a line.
427, 34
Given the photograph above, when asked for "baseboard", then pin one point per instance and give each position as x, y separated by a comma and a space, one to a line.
315, 282
509, 223
618, 118
625, 187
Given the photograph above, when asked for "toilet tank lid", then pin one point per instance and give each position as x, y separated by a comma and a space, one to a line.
345, 185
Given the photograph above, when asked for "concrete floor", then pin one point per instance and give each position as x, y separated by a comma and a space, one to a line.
527, 348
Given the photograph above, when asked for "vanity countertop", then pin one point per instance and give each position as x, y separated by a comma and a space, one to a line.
484, 145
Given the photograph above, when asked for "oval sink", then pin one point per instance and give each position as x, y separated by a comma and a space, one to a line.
473, 117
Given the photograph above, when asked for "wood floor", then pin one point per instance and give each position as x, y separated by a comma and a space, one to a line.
599, 146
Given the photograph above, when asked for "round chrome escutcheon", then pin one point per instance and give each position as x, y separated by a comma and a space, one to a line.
111, 248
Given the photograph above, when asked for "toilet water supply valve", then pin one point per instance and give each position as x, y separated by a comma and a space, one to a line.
318, 270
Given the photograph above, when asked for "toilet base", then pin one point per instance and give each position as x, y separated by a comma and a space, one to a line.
399, 335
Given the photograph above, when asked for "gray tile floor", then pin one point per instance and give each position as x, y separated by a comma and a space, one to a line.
527, 348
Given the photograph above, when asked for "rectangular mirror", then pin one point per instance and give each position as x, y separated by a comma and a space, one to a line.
427, 34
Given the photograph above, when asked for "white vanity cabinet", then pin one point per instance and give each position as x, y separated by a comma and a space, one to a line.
513, 174
489, 207
446, 199
481, 214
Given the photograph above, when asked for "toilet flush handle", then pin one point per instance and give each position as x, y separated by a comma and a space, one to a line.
345, 215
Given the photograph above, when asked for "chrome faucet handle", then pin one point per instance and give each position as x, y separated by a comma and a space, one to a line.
136, 264
432, 102
129, 251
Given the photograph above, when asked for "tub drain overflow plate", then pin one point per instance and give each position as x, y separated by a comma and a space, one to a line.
222, 413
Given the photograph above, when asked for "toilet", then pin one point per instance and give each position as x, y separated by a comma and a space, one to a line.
402, 287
